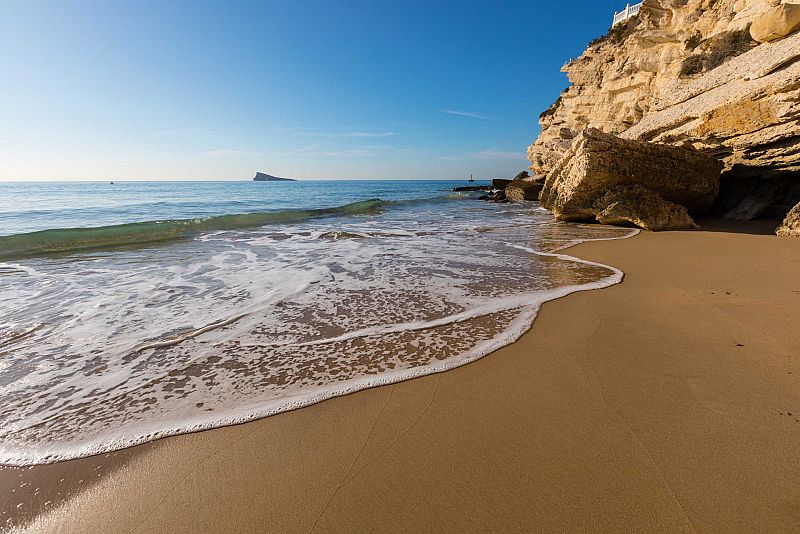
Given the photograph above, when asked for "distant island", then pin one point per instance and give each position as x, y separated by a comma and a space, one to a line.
261, 177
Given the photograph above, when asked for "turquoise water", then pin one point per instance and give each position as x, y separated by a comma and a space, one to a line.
56, 216
31, 207
134, 311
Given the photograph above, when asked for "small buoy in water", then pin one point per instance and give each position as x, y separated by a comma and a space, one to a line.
112, 183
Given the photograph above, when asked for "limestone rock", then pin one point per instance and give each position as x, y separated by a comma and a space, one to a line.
791, 224
627, 205
598, 162
741, 102
523, 189
776, 23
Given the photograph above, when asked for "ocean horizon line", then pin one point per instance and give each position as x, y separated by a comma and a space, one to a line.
37, 181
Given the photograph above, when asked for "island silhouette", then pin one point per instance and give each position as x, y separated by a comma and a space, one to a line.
262, 177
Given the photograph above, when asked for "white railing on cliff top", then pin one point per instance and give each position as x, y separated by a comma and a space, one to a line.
625, 14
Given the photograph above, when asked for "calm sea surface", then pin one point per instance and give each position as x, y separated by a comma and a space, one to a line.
138, 310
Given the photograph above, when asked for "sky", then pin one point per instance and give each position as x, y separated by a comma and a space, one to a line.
310, 89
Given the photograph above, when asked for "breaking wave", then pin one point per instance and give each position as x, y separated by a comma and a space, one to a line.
65, 240
261, 313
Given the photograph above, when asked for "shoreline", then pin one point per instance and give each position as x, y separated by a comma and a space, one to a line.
655, 404
526, 305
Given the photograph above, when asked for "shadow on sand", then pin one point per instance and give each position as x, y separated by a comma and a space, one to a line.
754, 227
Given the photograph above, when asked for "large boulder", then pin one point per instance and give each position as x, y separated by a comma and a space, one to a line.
776, 23
598, 162
791, 224
523, 189
627, 205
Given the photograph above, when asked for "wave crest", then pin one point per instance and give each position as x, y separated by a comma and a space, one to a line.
75, 239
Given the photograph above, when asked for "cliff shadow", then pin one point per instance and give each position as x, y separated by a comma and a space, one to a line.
762, 226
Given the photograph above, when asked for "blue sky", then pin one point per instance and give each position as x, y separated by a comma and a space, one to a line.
310, 89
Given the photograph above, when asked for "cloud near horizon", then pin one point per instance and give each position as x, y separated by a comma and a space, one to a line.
488, 154
492, 153
358, 151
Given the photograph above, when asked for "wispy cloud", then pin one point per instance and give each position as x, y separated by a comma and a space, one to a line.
302, 150
489, 153
345, 134
492, 153
360, 151
317, 150
182, 132
465, 114
230, 153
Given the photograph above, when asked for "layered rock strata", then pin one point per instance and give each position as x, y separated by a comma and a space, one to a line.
598, 162
635, 205
721, 76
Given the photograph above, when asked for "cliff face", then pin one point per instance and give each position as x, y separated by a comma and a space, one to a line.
691, 72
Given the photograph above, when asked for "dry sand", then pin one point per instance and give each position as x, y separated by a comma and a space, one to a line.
670, 402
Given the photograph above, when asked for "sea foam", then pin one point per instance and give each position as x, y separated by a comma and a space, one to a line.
105, 349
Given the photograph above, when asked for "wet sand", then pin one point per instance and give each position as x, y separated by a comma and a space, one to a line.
670, 402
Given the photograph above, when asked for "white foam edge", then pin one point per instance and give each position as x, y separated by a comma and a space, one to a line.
511, 334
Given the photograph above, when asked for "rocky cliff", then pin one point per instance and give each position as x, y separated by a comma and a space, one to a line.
578, 187
721, 76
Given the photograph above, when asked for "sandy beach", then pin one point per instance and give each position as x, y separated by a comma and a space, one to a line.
266, 268
670, 402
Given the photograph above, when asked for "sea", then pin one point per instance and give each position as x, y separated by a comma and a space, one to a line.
131, 311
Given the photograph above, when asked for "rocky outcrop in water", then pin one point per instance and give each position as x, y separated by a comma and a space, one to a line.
527, 188
261, 177
472, 188
598, 162
721, 76
524, 187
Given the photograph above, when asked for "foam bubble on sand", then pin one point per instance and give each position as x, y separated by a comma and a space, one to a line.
116, 348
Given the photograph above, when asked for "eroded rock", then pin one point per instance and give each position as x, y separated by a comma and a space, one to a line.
686, 72
635, 205
790, 227
776, 23
524, 189
598, 162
